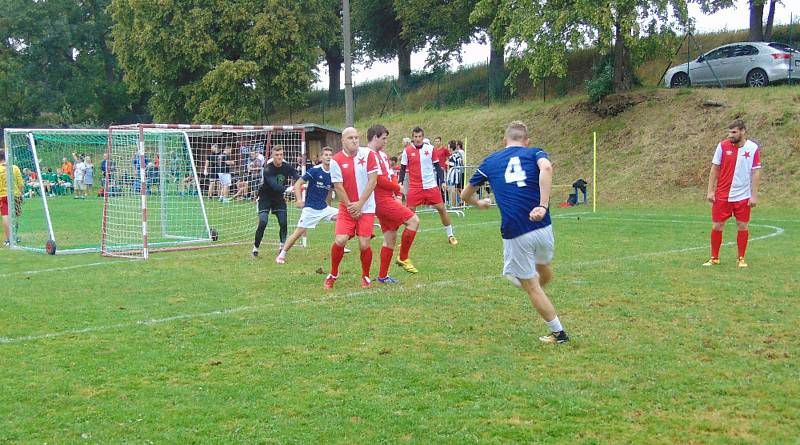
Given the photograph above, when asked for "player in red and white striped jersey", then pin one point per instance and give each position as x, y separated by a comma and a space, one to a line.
390, 210
733, 187
354, 173
424, 178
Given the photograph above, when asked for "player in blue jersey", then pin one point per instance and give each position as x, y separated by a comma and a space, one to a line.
316, 206
521, 179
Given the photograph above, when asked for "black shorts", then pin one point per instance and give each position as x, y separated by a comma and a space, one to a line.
269, 205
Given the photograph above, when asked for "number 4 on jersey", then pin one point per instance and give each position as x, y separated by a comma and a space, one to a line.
515, 172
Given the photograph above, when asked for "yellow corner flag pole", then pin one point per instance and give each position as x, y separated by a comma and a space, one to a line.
594, 174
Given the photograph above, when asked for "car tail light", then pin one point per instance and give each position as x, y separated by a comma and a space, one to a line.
779, 56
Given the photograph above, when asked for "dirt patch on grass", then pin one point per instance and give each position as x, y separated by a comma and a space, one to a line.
616, 104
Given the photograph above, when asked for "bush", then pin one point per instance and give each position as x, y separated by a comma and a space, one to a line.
602, 82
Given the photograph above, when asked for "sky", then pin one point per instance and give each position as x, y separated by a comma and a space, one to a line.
475, 53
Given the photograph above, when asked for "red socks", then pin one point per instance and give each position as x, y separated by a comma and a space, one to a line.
741, 241
366, 261
405, 242
386, 260
716, 242
337, 253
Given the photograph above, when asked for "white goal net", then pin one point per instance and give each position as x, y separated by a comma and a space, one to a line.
185, 186
59, 204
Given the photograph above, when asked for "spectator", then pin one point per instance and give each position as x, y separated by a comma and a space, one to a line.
107, 168
455, 173
580, 184
66, 167
49, 180
31, 184
153, 177
440, 152
211, 169
395, 168
63, 183
79, 173
253, 175
224, 164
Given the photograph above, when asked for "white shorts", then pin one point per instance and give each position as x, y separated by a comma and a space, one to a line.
309, 218
224, 179
523, 253
79, 185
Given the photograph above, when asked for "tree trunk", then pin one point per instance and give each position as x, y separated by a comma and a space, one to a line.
497, 68
334, 60
623, 72
403, 65
770, 20
756, 20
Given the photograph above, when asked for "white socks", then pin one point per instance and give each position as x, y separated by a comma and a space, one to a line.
449, 230
554, 325
282, 254
514, 280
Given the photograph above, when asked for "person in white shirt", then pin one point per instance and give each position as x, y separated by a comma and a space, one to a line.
80, 171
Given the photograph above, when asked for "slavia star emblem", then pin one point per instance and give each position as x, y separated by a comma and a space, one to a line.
361, 161
747, 154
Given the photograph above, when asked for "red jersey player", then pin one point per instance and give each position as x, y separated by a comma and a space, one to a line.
441, 153
424, 177
390, 211
354, 173
733, 187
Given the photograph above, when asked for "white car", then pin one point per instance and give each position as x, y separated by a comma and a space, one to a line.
754, 64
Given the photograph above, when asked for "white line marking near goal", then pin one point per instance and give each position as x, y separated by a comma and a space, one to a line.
61, 269
221, 312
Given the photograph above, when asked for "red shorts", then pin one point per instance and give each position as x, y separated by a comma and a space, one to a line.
424, 197
722, 210
391, 214
347, 225
4, 206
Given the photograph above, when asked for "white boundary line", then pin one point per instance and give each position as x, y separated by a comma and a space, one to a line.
221, 252
223, 312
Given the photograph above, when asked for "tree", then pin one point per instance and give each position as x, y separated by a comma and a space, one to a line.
485, 16
56, 67
385, 29
756, 20
542, 32
330, 39
217, 60
378, 34
758, 31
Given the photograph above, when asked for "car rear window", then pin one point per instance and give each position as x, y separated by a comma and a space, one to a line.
783, 47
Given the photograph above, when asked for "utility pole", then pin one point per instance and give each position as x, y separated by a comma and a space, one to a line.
348, 65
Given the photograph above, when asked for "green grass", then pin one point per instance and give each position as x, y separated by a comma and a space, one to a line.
215, 347
77, 222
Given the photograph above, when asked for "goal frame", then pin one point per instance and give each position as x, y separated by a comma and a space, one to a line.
10, 160
141, 129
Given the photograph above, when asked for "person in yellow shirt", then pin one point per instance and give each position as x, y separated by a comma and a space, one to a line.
18, 185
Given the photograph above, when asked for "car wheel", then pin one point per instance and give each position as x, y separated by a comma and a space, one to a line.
679, 80
757, 78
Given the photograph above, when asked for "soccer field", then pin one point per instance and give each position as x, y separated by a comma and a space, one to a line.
213, 346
